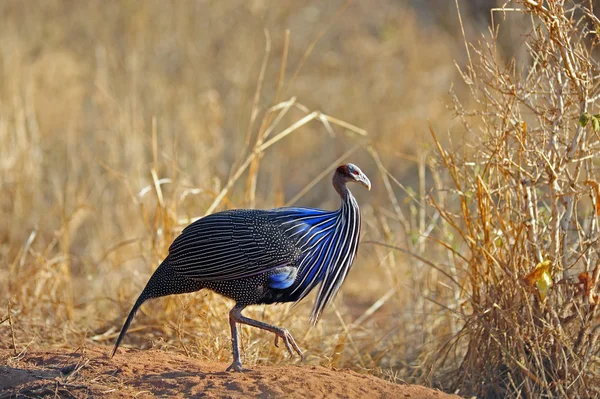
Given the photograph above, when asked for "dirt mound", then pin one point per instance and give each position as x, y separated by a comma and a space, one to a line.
158, 373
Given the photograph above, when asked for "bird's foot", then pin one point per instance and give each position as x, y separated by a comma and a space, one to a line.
289, 342
235, 366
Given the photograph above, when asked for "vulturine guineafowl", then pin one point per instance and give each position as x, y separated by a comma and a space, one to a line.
263, 257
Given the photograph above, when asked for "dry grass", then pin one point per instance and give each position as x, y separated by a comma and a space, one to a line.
120, 122
124, 122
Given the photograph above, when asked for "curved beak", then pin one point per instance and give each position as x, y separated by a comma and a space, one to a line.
364, 180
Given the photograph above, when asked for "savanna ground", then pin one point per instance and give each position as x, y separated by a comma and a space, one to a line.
122, 121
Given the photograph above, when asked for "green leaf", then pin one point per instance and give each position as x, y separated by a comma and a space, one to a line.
596, 124
584, 119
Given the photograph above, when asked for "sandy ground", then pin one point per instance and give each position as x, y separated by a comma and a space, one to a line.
151, 373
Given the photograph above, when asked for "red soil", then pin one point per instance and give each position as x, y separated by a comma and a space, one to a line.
150, 373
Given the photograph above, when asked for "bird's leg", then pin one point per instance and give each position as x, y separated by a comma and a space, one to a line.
237, 363
288, 339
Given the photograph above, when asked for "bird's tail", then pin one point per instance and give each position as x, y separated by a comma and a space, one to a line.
164, 281
144, 296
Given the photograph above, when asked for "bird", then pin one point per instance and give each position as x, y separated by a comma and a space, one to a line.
267, 256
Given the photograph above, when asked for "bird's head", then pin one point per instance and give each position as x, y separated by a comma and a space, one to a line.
351, 173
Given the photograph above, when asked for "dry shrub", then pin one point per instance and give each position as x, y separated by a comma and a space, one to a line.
523, 211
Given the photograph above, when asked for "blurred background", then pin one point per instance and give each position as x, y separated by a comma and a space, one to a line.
120, 121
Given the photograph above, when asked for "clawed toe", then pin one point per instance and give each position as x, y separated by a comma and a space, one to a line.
235, 366
290, 343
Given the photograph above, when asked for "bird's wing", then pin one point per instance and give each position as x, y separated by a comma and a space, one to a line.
232, 244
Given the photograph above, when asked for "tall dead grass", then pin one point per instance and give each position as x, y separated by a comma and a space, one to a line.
120, 122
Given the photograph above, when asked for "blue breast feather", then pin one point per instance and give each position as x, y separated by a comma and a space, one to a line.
283, 278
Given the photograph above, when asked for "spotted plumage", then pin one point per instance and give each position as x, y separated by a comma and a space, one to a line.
263, 257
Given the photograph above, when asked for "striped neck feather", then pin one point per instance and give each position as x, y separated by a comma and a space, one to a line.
330, 243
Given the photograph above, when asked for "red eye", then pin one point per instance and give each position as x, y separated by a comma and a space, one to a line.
355, 172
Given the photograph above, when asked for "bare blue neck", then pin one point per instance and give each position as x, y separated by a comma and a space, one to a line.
340, 186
